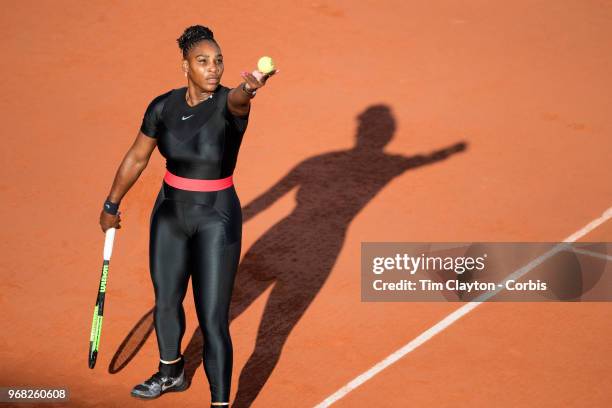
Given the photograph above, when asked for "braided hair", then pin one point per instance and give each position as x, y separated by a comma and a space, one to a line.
193, 35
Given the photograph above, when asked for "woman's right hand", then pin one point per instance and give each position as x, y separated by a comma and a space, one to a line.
109, 221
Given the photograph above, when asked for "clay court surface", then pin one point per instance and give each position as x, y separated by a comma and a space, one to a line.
523, 86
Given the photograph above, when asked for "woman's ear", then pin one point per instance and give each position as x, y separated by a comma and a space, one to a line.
185, 67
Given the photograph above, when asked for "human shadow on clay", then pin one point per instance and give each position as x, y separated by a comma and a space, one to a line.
297, 254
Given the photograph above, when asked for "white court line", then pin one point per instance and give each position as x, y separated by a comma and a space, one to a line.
593, 254
457, 314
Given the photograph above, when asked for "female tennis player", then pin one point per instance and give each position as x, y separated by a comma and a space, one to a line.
196, 221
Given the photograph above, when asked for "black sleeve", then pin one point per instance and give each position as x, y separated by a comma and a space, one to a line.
239, 123
152, 118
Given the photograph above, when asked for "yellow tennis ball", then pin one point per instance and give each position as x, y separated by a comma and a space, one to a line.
265, 65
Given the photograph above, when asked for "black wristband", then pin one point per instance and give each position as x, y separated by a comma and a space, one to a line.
111, 207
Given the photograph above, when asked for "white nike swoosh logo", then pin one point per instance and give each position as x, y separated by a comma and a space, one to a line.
165, 386
186, 117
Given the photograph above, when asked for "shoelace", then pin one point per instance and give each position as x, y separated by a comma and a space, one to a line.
157, 378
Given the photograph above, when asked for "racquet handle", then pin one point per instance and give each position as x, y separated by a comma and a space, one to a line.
108, 243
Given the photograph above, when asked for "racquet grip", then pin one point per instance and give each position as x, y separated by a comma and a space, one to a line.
108, 243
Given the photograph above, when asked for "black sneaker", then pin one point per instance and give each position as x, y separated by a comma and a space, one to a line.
159, 384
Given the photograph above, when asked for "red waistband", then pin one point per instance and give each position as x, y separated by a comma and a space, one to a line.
196, 184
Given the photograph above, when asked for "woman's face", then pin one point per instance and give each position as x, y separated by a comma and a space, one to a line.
204, 65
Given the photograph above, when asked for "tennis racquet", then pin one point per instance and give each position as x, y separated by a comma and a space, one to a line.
96, 324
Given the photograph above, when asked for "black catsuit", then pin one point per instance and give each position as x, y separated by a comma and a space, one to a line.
196, 233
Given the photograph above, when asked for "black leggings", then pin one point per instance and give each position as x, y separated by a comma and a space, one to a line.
196, 234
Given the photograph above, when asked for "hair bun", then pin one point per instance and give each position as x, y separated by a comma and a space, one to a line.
193, 35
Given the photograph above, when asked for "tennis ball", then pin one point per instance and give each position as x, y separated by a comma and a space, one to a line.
265, 65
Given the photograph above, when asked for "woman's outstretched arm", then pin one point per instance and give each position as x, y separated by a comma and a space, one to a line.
239, 98
132, 165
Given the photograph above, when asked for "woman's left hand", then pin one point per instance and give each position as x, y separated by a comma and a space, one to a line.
257, 79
